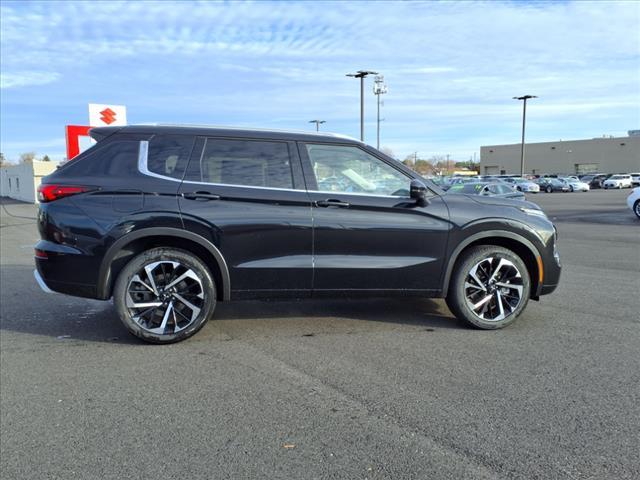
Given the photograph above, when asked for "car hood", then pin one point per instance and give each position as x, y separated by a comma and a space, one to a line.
499, 201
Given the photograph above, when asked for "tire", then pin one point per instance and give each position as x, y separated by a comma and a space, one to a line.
636, 208
571, 189
549, 189
166, 316
472, 283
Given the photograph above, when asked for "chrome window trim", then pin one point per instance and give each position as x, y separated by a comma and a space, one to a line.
143, 156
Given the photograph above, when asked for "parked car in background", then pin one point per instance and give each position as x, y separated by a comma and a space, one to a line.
496, 189
618, 181
633, 200
596, 180
168, 221
523, 184
549, 184
575, 185
635, 179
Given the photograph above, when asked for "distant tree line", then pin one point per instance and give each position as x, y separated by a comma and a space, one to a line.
27, 157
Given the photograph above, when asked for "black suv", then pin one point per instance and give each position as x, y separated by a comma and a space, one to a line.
169, 220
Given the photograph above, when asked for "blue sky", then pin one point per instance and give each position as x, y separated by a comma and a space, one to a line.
451, 67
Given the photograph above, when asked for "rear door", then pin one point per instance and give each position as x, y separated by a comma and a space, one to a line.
368, 234
248, 197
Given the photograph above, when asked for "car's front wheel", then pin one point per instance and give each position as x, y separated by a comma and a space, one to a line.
636, 208
164, 295
489, 288
549, 189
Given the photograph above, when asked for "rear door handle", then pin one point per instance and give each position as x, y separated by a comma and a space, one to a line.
331, 202
202, 196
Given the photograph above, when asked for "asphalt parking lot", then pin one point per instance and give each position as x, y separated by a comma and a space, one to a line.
382, 388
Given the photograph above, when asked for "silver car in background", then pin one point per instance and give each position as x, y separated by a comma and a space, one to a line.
575, 185
522, 184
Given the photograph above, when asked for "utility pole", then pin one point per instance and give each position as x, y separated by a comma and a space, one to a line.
361, 74
318, 123
524, 98
379, 88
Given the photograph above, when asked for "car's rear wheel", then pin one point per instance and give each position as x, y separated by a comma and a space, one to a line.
164, 295
549, 189
489, 288
636, 208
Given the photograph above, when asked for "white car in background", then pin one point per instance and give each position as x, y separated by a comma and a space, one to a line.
635, 179
522, 184
575, 185
633, 200
618, 181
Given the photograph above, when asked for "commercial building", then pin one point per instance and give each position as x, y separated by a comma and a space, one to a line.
606, 155
21, 182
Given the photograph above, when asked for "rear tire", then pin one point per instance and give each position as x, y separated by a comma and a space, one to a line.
164, 295
489, 288
549, 189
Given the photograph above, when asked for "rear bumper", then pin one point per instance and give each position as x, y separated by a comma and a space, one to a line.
41, 282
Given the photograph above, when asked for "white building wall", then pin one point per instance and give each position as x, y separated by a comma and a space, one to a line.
605, 155
21, 182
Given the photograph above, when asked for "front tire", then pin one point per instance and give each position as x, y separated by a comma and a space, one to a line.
164, 295
636, 208
549, 189
489, 288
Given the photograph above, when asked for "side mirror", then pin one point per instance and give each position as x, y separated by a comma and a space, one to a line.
418, 191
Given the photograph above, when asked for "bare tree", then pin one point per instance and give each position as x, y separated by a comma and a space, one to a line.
388, 151
27, 157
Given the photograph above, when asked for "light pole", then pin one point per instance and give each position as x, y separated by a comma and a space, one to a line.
361, 74
524, 99
317, 122
379, 88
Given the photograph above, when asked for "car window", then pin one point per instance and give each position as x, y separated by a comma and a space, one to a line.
251, 163
168, 154
351, 170
116, 158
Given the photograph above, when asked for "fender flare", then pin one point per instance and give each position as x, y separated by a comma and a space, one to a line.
105, 279
479, 236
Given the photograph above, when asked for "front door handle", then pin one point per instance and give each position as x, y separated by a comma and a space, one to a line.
202, 196
331, 202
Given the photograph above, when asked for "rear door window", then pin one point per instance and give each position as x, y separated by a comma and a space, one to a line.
252, 163
168, 154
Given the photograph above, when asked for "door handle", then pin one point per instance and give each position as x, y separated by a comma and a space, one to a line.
202, 196
331, 202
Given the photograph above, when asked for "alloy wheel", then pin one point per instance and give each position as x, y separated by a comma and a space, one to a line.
165, 297
637, 208
493, 288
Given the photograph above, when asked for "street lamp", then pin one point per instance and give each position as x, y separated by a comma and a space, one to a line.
524, 119
361, 74
379, 88
317, 122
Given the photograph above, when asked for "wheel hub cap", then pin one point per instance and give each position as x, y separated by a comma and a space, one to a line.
493, 288
165, 297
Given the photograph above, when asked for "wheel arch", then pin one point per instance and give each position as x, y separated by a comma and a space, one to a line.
126, 247
524, 248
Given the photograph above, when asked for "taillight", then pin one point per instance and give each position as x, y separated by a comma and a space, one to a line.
41, 254
49, 193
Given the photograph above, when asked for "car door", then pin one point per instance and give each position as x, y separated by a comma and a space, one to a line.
248, 197
368, 234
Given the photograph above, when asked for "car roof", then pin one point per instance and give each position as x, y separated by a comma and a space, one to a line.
227, 131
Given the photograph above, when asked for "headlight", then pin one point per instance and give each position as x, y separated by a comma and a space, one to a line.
533, 211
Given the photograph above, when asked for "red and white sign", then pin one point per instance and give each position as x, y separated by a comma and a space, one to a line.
107, 115
73, 134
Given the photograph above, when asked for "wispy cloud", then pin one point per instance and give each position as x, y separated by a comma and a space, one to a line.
451, 67
27, 78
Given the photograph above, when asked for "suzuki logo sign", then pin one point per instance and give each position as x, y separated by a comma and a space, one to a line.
107, 115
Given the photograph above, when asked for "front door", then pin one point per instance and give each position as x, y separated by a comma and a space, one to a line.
248, 197
368, 234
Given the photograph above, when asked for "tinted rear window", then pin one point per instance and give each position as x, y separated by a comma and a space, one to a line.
116, 158
168, 154
243, 162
